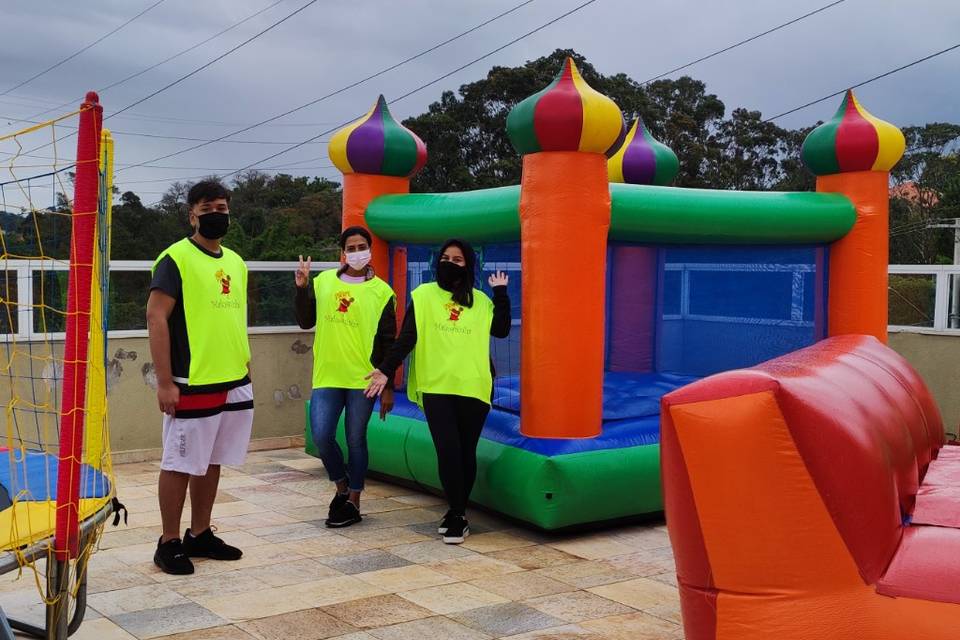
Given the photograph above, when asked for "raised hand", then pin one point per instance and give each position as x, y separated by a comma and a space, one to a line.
499, 279
303, 273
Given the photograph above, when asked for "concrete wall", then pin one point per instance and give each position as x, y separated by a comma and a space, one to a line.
280, 369
281, 379
937, 358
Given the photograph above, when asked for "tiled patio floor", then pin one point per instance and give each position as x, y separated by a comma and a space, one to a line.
388, 578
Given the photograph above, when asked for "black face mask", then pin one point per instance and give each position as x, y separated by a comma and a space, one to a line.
213, 225
450, 274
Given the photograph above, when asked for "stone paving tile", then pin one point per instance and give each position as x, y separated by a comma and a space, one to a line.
566, 632
577, 606
521, 585
435, 628
387, 578
377, 612
641, 593
373, 560
507, 619
404, 578
228, 632
153, 623
452, 598
101, 629
537, 557
430, 551
309, 624
155, 596
634, 626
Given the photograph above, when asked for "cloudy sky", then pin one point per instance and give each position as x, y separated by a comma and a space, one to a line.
333, 43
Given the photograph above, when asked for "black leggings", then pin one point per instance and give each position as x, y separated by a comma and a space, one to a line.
455, 424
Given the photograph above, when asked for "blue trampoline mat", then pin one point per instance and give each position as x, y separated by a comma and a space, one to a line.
34, 477
631, 414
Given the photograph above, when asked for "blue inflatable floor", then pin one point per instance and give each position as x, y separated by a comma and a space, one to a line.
33, 477
631, 414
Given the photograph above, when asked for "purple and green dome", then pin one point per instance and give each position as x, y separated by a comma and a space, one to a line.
377, 144
642, 159
568, 115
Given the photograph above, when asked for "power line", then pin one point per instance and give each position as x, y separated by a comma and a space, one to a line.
341, 89
75, 54
743, 42
166, 60
860, 84
188, 75
425, 85
214, 61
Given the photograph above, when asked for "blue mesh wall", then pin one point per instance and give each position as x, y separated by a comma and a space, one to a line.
710, 308
721, 308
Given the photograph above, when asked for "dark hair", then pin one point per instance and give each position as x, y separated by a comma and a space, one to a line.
354, 231
207, 190
463, 292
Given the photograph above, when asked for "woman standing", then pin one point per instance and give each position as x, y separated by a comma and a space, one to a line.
448, 325
353, 311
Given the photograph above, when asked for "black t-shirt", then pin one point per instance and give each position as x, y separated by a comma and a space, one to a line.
166, 278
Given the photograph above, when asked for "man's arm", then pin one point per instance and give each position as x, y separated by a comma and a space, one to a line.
159, 308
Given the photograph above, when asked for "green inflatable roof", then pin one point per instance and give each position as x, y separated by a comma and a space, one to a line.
640, 213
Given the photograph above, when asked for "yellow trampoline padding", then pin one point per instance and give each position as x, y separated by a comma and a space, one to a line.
29, 522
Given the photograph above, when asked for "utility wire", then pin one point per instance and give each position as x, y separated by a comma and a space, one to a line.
76, 53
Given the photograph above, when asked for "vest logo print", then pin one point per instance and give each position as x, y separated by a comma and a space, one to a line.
224, 279
455, 311
344, 300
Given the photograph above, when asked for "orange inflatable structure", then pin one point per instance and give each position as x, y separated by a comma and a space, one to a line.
812, 497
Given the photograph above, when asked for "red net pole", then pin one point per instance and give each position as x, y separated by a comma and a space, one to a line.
85, 198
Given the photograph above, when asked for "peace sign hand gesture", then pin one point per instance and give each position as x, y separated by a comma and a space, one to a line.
499, 279
303, 273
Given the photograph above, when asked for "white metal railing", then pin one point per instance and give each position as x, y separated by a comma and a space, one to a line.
26, 305
945, 317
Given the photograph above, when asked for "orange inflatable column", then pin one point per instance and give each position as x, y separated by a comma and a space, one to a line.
564, 132
377, 156
852, 154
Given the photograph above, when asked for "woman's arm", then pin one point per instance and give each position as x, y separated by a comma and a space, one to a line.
502, 320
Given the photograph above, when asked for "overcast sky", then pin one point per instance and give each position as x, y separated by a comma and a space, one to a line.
333, 43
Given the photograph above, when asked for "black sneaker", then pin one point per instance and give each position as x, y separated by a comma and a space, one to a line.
171, 558
345, 515
457, 530
336, 503
445, 523
207, 545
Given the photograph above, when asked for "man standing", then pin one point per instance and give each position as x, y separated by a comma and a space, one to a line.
197, 318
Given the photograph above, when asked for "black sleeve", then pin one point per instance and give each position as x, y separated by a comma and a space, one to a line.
386, 332
500, 327
305, 307
166, 278
402, 346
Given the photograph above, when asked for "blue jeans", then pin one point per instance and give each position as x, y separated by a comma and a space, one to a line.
326, 405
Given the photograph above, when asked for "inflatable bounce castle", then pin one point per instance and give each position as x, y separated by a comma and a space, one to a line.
736, 337
624, 288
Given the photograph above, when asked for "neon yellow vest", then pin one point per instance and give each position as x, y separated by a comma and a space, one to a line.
452, 355
347, 319
215, 310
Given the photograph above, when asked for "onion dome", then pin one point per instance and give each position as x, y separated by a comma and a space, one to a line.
853, 140
642, 159
566, 116
379, 145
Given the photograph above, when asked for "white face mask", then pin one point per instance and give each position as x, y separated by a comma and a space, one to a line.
358, 259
